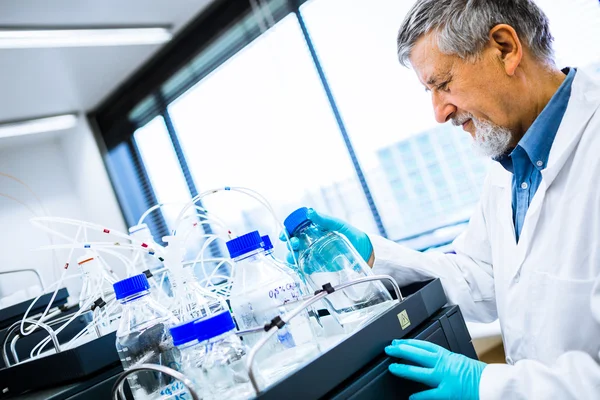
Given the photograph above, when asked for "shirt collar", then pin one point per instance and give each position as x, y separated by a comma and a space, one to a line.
538, 139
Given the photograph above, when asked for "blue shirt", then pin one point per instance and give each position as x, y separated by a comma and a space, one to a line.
531, 154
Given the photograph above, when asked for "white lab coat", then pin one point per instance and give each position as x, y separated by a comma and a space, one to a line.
545, 290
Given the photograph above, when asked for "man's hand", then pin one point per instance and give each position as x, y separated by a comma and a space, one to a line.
357, 238
453, 376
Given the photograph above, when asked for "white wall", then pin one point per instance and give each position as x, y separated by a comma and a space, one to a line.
68, 175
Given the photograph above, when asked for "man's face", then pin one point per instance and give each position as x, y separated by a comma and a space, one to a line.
475, 95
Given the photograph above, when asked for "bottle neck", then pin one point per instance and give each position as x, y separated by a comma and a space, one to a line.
135, 298
307, 235
219, 338
254, 254
188, 345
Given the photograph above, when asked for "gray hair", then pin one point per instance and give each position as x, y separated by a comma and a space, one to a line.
462, 26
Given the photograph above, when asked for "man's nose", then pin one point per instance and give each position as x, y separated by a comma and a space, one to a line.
442, 109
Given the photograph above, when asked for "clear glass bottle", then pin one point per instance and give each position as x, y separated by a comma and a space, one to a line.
192, 353
143, 337
321, 328
290, 269
223, 364
260, 290
328, 257
190, 300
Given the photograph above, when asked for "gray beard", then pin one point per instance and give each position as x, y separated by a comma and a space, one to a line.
491, 140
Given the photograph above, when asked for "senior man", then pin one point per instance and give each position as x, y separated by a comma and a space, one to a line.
531, 253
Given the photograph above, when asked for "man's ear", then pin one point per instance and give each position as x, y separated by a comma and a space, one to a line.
505, 42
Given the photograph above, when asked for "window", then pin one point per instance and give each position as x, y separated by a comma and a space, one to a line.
163, 168
262, 110
386, 110
261, 120
389, 117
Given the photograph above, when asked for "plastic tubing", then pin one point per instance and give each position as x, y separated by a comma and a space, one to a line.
213, 273
209, 239
91, 226
202, 222
221, 289
265, 203
110, 307
58, 283
42, 343
62, 327
115, 254
103, 245
203, 211
160, 205
162, 282
207, 282
38, 222
249, 192
89, 246
97, 284
37, 298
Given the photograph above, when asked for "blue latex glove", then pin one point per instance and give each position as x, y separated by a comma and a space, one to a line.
357, 238
453, 376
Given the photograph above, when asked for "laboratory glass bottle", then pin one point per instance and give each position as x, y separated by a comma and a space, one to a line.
223, 361
191, 354
261, 291
145, 262
323, 326
190, 300
327, 257
143, 337
291, 269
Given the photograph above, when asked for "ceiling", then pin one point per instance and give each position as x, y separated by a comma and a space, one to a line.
41, 82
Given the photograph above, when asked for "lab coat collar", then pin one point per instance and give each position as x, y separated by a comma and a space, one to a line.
584, 101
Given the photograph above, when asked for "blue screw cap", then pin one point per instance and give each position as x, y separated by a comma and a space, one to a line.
267, 244
296, 220
130, 286
244, 244
183, 333
210, 327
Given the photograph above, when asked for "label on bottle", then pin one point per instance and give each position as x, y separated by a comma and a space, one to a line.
175, 391
261, 306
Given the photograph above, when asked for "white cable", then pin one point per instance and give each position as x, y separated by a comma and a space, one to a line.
207, 242
108, 309
38, 222
62, 278
96, 245
62, 327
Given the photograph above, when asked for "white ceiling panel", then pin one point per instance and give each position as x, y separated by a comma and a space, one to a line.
38, 82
